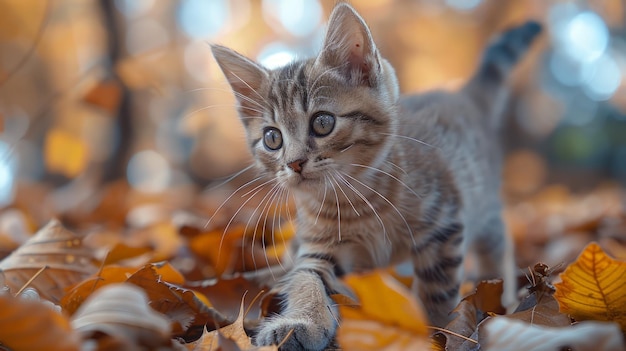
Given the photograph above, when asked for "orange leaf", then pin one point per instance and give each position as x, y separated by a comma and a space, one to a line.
593, 287
57, 248
105, 95
219, 248
79, 293
33, 325
65, 153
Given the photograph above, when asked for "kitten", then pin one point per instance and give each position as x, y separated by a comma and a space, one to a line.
377, 178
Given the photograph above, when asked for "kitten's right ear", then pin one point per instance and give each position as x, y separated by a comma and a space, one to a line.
245, 77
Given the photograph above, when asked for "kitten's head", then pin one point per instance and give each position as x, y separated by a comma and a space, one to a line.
313, 118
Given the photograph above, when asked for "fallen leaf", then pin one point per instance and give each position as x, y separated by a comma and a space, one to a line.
106, 95
229, 291
472, 310
65, 153
593, 287
505, 334
55, 247
185, 310
33, 325
388, 318
232, 337
121, 311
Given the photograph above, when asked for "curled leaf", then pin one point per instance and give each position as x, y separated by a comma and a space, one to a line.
121, 311
505, 334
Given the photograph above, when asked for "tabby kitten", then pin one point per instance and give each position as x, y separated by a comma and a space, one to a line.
377, 178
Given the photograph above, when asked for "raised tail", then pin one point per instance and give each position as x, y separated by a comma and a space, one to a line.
499, 59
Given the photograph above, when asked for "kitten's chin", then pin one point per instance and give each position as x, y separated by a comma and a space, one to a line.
300, 182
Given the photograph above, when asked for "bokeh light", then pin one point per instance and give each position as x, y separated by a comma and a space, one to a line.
202, 18
145, 35
8, 166
463, 5
299, 17
134, 8
586, 37
602, 78
276, 55
149, 172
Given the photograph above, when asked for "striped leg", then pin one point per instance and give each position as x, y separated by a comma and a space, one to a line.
438, 270
308, 308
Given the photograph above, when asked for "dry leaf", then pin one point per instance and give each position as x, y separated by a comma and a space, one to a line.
505, 334
389, 317
65, 153
593, 287
121, 311
106, 95
68, 262
220, 248
81, 291
33, 325
229, 291
469, 313
232, 337
187, 312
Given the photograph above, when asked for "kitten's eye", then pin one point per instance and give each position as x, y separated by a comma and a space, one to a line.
272, 138
322, 124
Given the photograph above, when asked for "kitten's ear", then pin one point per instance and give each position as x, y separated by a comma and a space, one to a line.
245, 77
349, 46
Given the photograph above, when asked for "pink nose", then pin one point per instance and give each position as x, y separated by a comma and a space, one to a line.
297, 165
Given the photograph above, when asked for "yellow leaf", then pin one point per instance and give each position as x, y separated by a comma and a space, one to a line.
65, 153
388, 318
594, 287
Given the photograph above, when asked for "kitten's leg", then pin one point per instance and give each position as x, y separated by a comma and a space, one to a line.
438, 271
308, 309
496, 257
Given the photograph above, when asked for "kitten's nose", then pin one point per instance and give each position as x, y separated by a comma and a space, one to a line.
297, 165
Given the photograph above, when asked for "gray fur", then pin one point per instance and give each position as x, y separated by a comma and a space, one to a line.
414, 177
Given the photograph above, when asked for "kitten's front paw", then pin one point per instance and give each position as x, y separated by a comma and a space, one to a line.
306, 335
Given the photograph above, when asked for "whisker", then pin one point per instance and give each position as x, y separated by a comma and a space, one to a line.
338, 210
232, 218
346, 196
231, 177
397, 167
389, 202
367, 202
389, 175
253, 90
229, 197
323, 200
409, 138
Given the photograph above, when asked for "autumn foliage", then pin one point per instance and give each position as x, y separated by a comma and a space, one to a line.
135, 292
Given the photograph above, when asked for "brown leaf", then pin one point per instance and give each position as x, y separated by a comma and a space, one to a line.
228, 292
121, 312
232, 337
34, 325
106, 95
55, 247
469, 313
186, 311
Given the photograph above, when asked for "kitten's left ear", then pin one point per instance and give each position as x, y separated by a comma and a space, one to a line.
350, 47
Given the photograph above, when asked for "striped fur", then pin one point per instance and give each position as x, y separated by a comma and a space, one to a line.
414, 177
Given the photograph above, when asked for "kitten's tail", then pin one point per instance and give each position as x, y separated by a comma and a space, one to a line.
498, 61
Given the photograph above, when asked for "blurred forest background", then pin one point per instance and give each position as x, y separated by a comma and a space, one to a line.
114, 114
